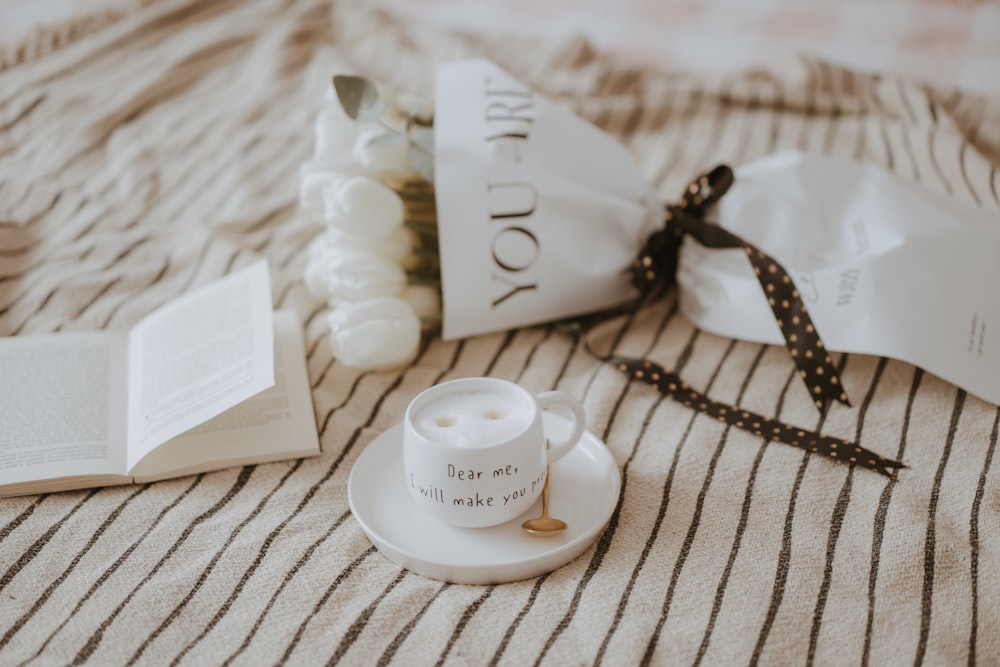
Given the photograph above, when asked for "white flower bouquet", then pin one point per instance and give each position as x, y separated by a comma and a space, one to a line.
472, 218
376, 261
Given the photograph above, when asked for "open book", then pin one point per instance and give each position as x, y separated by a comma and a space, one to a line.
213, 379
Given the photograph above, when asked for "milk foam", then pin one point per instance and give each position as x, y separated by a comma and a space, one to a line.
472, 419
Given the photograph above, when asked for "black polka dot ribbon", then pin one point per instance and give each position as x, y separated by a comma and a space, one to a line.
657, 264
654, 270
671, 385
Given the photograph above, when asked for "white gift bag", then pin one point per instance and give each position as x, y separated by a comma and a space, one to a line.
884, 266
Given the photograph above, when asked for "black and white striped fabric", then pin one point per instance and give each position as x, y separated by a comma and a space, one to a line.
161, 152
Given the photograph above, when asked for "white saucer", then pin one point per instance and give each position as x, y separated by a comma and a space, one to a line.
584, 491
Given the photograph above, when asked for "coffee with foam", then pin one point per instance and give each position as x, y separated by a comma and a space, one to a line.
473, 419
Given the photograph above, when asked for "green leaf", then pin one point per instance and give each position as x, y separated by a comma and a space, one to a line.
358, 96
388, 137
422, 159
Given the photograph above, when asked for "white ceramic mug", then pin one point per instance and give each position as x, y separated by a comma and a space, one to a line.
474, 449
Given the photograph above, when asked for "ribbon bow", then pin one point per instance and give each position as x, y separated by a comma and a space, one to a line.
654, 270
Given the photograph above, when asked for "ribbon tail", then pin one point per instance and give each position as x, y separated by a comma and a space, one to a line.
671, 385
654, 270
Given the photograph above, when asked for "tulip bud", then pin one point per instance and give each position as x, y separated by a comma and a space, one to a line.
317, 177
364, 207
425, 301
385, 154
336, 133
353, 276
398, 246
375, 333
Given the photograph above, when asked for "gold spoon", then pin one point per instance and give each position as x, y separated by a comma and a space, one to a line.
544, 525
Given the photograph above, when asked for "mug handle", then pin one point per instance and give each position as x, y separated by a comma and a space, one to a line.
549, 399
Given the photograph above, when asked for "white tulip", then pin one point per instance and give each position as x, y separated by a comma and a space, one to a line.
385, 154
398, 246
316, 177
425, 301
363, 206
375, 333
336, 133
353, 276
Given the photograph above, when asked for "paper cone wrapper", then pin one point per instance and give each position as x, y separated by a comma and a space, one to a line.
540, 213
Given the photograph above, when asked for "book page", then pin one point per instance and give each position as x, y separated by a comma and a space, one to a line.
276, 424
199, 355
63, 406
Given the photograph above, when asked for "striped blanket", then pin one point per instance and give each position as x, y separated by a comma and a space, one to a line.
161, 151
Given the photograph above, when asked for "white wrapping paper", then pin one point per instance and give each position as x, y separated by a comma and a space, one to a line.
885, 266
539, 212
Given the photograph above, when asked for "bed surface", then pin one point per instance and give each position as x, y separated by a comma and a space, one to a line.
152, 150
